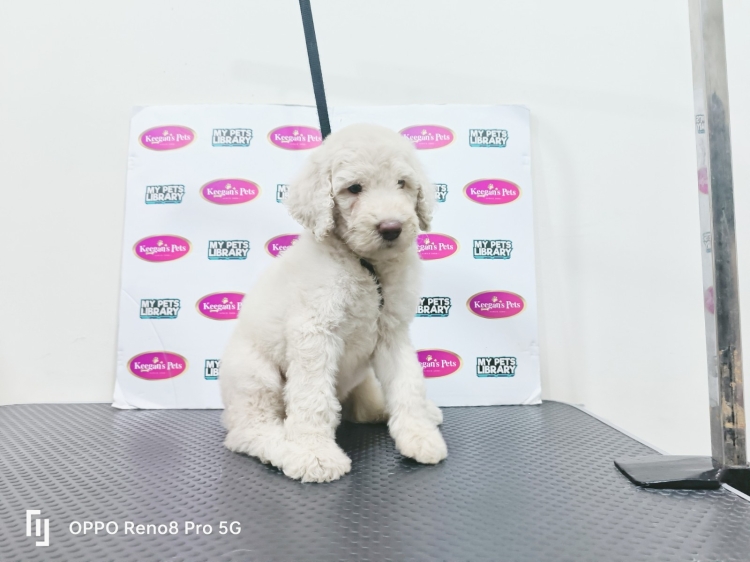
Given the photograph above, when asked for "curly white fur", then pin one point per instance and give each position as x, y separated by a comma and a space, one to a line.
312, 336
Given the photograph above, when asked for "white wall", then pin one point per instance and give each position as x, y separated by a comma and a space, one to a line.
610, 92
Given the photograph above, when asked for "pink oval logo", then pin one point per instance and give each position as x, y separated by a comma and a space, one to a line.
709, 300
496, 304
162, 248
436, 246
703, 180
230, 192
220, 306
279, 244
438, 362
425, 137
492, 192
157, 365
295, 137
167, 137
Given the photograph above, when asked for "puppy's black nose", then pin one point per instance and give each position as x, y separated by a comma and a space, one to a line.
390, 230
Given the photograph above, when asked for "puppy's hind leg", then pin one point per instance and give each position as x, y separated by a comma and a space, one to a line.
434, 413
252, 391
365, 403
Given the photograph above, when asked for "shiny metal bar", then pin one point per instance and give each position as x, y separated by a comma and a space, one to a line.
718, 247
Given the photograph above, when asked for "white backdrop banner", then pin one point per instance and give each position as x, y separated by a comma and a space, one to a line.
205, 216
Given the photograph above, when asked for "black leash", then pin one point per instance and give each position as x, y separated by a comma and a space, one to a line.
315, 72
368, 266
320, 100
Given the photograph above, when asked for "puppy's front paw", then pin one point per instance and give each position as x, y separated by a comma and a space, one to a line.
263, 444
434, 414
316, 462
420, 441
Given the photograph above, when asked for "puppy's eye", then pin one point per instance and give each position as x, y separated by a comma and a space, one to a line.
401, 183
356, 188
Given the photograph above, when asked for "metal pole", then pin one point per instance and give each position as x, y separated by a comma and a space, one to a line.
315, 72
721, 294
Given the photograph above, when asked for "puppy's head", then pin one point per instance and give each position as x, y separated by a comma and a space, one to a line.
365, 185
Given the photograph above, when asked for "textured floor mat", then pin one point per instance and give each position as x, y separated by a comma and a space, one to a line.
531, 483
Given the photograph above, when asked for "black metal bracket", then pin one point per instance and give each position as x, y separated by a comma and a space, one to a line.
683, 473
315, 71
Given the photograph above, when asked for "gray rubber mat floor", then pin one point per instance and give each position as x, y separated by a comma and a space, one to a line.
531, 483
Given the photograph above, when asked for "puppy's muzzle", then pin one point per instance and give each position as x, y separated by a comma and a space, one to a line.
389, 230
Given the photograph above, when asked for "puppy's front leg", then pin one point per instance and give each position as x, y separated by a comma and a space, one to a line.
412, 426
312, 411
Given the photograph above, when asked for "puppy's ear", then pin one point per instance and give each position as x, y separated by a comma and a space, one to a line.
425, 201
310, 199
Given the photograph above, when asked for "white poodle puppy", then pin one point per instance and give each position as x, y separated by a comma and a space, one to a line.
326, 328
